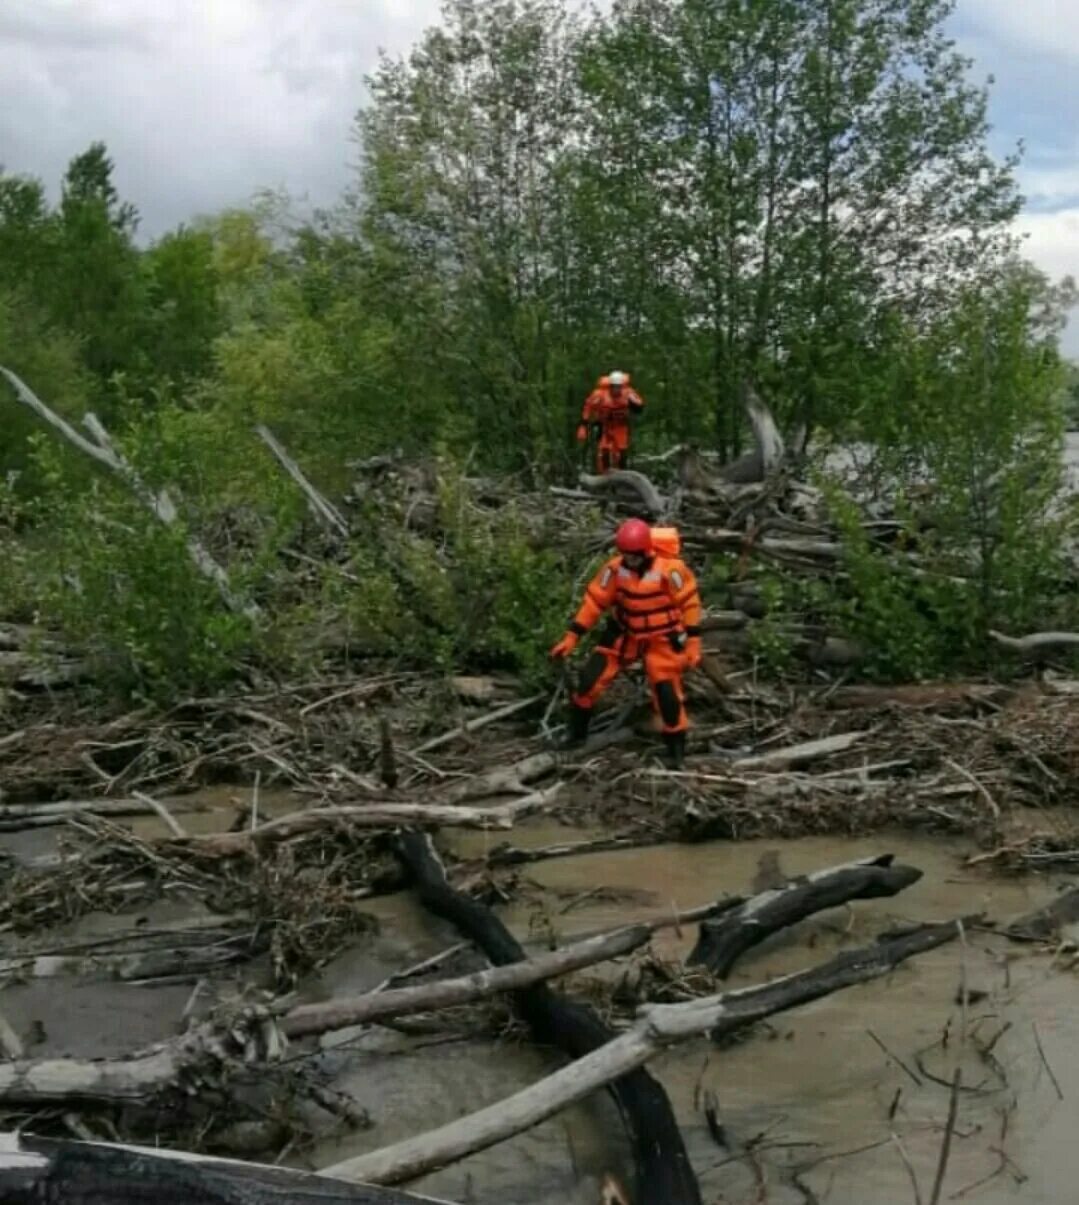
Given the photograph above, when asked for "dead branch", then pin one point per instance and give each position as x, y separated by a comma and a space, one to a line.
341, 1014
320, 506
483, 721
659, 1027
160, 504
724, 940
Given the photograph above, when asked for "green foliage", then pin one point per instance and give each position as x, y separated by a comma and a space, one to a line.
121, 585
973, 430
701, 191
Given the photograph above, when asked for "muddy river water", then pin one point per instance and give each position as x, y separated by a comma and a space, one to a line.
841, 1101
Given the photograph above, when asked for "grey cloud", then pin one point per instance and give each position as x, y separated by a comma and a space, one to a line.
201, 102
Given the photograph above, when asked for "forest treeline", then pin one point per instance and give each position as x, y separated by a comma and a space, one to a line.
796, 195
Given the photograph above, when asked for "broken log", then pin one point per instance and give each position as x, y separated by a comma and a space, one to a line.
320, 506
38, 1170
658, 1027
663, 1169
724, 940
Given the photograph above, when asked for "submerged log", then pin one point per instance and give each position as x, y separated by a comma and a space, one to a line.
724, 940
140, 954
1045, 923
663, 1168
45, 1171
658, 1028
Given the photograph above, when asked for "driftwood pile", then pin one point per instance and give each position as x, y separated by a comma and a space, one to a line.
338, 785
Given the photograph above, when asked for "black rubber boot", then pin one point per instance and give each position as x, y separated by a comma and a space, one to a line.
676, 749
577, 725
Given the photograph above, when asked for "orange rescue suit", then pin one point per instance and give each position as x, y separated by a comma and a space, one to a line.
610, 415
655, 617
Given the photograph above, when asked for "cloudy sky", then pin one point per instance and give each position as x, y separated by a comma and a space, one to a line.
202, 102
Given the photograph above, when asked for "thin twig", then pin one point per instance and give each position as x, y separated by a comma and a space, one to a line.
1045, 1061
894, 1057
910, 1169
946, 1145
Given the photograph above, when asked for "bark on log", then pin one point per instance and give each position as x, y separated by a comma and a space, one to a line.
45, 1171
723, 941
663, 1168
160, 503
320, 506
658, 1028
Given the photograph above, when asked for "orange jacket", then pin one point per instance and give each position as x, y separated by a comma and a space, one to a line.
664, 598
602, 409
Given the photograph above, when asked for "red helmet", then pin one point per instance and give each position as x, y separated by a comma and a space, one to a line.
634, 536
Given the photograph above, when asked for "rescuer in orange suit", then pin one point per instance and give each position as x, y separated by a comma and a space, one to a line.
655, 615
608, 411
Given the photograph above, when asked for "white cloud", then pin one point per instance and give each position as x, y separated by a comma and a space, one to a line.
1047, 27
200, 101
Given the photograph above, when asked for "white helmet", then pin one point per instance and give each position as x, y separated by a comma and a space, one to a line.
617, 379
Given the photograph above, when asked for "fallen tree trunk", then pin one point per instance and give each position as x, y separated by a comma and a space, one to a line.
659, 1027
38, 1170
651, 499
663, 1167
724, 940
161, 505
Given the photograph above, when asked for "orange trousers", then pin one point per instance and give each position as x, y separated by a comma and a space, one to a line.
612, 449
664, 666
